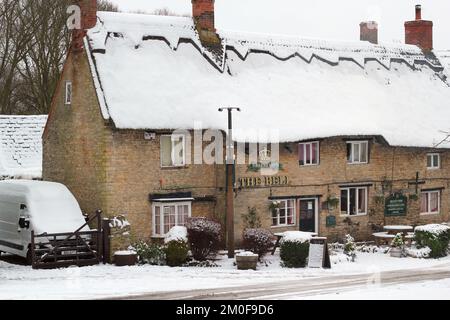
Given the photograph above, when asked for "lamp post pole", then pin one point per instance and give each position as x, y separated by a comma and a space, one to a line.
230, 165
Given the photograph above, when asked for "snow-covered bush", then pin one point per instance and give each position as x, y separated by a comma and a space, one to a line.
176, 253
294, 249
418, 253
150, 253
434, 236
398, 242
176, 233
204, 237
350, 247
258, 241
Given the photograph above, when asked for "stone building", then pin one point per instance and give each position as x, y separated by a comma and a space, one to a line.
361, 125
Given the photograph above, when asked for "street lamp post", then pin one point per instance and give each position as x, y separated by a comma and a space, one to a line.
230, 163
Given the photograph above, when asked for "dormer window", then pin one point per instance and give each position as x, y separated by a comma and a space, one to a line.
68, 94
357, 152
433, 161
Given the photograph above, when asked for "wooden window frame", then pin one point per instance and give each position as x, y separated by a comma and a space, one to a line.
172, 136
357, 201
432, 155
294, 213
161, 206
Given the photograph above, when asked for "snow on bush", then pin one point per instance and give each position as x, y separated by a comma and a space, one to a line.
296, 236
150, 253
436, 229
204, 237
434, 236
418, 253
398, 242
258, 241
119, 222
176, 233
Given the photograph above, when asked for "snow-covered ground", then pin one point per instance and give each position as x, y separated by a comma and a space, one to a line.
103, 281
427, 290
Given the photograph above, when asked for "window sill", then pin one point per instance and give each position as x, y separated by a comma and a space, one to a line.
283, 226
308, 165
433, 169
356, 163
174, 167
353, 216
429, 213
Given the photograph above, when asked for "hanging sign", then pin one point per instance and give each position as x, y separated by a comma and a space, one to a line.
396, 205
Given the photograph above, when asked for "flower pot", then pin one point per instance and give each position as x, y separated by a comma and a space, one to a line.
247, 261
396, 252
125, 258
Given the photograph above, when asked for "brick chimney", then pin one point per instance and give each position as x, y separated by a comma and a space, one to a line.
88, 21
369, 31
419, 32
203, 15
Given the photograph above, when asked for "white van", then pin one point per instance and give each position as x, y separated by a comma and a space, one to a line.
45, 207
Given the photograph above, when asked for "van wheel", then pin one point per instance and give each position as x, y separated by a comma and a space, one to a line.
29, 259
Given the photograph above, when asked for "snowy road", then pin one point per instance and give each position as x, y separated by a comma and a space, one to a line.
350, 286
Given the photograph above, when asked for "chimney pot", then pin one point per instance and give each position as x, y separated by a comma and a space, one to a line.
88, 10
419, 32
418, 12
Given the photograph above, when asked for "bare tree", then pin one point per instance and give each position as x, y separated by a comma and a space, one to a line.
167, 12
33, 45
105, 5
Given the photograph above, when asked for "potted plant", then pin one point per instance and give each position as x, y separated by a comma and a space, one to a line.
397, 246
246, 260
274, 206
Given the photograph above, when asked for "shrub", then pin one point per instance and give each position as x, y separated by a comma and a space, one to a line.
150, 253
203, 237
398, 242
294, 253
176, 253
258, 241
434, 236
251, 219
350, 247
176, 233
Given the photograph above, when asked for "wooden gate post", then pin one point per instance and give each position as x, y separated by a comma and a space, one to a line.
106, 240
99, 236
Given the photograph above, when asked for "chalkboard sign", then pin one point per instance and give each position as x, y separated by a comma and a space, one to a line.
331, 221
319, 256
396, 205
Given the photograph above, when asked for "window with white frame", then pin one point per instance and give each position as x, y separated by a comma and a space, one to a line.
169, 215
433, 161
173, 150
430, 202
308, 153
283, 213
68, 93
354, 201
357, 152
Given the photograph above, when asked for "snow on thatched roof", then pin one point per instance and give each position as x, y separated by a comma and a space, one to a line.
152, 72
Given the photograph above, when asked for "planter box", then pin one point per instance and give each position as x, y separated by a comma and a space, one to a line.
123, 258
247, 262
396, 252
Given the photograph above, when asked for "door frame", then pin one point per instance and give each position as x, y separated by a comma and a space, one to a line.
316, 212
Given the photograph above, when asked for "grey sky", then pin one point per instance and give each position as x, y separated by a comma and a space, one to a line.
328, 19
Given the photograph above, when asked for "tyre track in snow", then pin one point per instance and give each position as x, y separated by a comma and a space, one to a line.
303, 287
